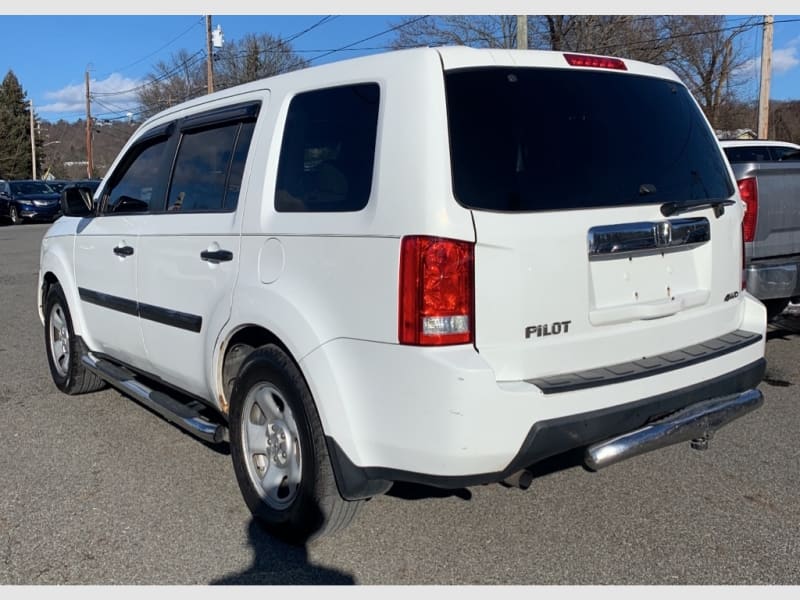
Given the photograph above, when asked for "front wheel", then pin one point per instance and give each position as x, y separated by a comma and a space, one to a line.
279, 452
13, 214
63, 347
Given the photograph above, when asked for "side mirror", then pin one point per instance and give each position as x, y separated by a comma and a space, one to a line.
77, 202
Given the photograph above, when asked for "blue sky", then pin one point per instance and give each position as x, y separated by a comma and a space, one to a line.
49, 54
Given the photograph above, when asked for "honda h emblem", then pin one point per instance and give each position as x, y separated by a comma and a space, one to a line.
662, 233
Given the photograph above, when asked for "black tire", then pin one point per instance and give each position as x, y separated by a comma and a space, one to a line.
311, 508
775, 307
63, 347
13, 215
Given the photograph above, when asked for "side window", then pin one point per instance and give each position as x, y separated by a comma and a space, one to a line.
233, 186
140, 188
208, 169
328, 150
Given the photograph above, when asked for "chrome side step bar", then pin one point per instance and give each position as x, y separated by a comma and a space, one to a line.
695, 424
183, 415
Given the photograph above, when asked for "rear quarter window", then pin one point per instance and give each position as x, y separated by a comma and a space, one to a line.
328, 150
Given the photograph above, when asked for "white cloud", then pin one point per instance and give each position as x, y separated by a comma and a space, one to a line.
71, 100
785, 59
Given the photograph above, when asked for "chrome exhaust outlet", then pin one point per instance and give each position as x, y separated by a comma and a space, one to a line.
695, 424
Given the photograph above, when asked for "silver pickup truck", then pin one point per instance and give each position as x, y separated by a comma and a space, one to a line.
768, 175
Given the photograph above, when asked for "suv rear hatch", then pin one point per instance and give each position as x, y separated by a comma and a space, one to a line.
567, 170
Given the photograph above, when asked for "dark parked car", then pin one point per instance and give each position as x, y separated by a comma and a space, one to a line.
57, 184
28, 199
92, 184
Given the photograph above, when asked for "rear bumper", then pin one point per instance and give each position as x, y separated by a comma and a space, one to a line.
550, 437
696, 423
773, 279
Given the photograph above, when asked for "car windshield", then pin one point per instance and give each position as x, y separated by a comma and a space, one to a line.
525, 139
30, 187
57, 186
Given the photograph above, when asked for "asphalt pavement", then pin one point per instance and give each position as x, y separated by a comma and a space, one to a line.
96, 489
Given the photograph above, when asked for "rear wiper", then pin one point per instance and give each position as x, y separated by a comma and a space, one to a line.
674, 208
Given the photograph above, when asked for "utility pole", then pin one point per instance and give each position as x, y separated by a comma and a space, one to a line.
89, 167
209, 55
522, 32
766, 75
33, 142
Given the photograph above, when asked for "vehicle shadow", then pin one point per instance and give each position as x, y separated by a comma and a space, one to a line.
278, 563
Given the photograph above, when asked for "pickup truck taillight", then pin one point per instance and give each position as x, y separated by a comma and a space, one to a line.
437, 291
748, 190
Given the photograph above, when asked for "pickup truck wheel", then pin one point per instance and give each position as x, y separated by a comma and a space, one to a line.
64, 349
279, 452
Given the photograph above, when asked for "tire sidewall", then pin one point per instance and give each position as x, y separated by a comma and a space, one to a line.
13, 215
55, 295
302, 516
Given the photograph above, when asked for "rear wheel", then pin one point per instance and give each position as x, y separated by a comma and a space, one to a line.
279, 452
63, 347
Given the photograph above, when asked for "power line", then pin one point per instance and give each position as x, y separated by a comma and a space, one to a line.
188, 62
169, 43
371, 37
322, 21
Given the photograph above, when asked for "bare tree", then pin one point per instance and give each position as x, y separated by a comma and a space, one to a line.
707, 56
636, 37
184, 76
493, 31
254, 57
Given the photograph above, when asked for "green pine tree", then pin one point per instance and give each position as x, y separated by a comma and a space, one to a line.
15, 149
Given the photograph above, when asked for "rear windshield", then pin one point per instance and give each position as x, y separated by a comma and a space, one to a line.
550, 139
743, 154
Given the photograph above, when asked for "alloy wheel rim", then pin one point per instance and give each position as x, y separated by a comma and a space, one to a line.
59, 340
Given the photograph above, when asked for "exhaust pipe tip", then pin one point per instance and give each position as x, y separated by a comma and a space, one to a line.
521, 479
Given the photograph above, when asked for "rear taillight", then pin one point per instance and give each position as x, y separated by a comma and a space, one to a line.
748, 190
600, 62
436, 291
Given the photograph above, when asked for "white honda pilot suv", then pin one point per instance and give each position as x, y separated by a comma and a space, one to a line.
437, 266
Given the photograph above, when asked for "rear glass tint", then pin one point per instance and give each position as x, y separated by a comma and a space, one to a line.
748, 154
550, 139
